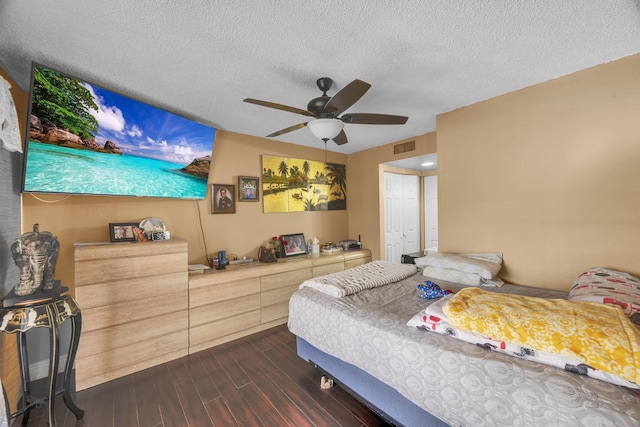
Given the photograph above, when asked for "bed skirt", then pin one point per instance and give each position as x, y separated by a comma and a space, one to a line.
382, 399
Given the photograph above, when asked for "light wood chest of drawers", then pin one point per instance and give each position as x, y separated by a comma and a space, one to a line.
242, 300
134, 302
140, 307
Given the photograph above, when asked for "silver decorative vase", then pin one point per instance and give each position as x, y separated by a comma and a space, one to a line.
35, 253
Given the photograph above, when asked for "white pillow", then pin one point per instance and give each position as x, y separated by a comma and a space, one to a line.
487, 265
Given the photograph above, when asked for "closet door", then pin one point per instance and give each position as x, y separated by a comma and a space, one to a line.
430, 212
392, 217
410, 214
401, 215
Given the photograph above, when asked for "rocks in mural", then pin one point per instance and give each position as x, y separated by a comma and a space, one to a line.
61, 136
92, 144
47, 132
35, 125
199, 167
111, 147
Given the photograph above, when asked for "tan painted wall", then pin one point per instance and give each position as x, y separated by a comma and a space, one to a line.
548, 175
366, 189
86, 218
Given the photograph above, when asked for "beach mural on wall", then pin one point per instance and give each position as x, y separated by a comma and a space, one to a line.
296, 185
84, 139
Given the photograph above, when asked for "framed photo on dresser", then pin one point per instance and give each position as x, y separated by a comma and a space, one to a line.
295, 244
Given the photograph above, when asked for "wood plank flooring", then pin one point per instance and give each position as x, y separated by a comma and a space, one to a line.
254, 381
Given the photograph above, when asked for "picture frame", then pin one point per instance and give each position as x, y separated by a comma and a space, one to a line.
307, 185
223, 198
122, 231
296, 244
248, 189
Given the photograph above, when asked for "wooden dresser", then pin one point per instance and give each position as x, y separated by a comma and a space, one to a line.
134, 302
141, 307
244, 299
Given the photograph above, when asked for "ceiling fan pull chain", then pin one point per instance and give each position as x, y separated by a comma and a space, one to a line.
325, 150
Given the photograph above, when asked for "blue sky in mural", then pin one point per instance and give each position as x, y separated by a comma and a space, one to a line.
142, 130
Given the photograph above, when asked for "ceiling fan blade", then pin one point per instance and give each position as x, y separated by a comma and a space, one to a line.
348, 96
279, 106
373, 119
341, 139
287, 130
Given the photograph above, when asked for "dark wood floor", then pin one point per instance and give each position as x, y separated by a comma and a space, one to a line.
254, 381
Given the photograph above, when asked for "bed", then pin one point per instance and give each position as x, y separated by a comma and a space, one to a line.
414, 377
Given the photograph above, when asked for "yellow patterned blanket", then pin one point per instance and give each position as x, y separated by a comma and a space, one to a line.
598, 334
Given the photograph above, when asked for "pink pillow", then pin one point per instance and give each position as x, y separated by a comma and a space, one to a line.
609, 287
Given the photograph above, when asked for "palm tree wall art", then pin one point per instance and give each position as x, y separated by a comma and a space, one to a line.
294, 185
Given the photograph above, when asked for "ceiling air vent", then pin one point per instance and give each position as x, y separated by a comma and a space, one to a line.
405, 147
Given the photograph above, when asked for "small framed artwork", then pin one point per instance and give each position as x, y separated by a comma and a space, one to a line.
222, 198
248, 188
295, 245
123, 231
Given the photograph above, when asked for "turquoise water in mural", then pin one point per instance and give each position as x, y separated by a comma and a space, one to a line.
51, 168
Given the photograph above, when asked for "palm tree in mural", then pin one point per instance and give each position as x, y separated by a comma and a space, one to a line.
306, 168
283, 169
268, 173
292, 175
337, 177
296, 177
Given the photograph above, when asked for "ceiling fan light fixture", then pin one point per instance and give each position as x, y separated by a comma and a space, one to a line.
325, 128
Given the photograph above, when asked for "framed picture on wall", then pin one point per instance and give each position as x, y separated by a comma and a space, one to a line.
248, 189
222, 198
307, 185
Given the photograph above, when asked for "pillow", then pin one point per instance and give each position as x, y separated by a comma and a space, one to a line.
487, 265
609, 287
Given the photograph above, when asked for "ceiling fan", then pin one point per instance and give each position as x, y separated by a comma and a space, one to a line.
327, 123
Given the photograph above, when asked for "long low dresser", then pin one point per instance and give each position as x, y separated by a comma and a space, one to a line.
244, 299
141, 307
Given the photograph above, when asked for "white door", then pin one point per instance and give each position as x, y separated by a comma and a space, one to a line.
401, 215
392, 218
430, 212
410, 213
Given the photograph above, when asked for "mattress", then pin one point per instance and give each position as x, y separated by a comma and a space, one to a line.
458, 382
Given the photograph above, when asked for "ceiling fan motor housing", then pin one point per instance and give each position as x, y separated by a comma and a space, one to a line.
316, 106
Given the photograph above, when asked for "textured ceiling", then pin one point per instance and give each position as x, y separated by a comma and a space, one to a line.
201, 58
